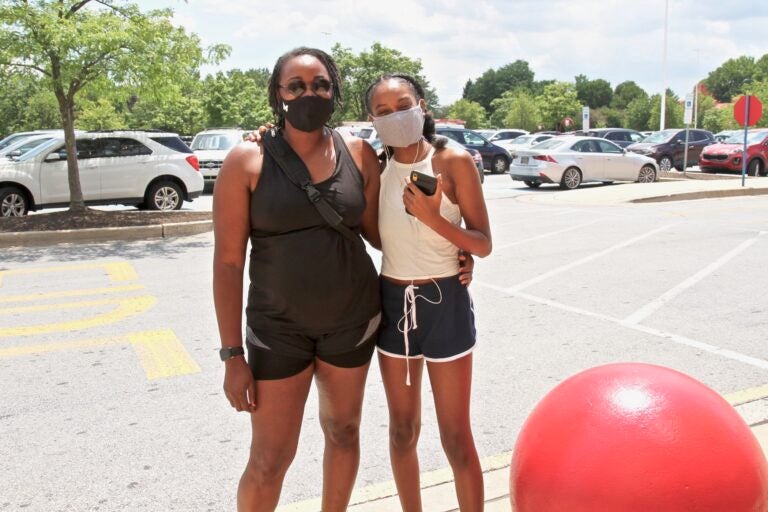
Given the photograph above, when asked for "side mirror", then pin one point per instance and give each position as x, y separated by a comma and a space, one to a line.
56, 157
14, 153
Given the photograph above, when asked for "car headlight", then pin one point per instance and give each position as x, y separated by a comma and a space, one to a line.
736, 151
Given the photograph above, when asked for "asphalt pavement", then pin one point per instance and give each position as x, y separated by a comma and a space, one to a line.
438, 492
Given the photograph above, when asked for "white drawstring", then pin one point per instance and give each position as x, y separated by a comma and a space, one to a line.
408, 320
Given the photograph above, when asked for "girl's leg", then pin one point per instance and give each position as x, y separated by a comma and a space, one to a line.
451, 383
340, 392
275, 433
404, 426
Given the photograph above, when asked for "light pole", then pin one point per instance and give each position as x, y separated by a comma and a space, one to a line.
664, 69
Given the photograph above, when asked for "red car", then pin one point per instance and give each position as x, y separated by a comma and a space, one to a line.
727, 155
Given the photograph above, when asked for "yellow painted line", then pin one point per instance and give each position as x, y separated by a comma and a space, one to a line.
747, 395
42, 348
129, 306
70, 293
117, 271
64, 305
162, 354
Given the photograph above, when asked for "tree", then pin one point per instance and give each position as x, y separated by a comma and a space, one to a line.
516, 109
558, 101
673, 112
493, 83
593, 93
729, 79
625, 93
237, 98
638, 113
72, 44
358, 72
473, 114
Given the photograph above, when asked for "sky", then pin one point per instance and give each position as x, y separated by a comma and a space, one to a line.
457, 40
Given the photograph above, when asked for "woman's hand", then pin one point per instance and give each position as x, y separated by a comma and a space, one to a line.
466, 266
255, 135
239, 386
423, 207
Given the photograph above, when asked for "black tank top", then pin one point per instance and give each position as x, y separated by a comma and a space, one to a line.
306, 277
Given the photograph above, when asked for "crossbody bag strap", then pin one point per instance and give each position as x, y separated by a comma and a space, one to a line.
294, 168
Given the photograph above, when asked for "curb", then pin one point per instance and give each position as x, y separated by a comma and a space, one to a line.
688, 196
43, 238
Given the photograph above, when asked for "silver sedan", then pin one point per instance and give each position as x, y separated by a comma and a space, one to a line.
570, 161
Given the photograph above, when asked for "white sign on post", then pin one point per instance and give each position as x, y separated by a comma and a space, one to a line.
688, 115
585, 118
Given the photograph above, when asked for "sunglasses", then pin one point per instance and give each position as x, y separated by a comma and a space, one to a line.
320, 86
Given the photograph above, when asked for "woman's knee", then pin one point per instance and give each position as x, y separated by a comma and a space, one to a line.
459, 447
341, 433
267, 467
403, 435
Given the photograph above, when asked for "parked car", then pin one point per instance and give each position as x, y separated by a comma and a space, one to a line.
667, 147
505, 134
620, 136
24, 144
728, 155
523, 142
725, 134
571, 160
211, 147
151, 170
15, 137
476, 156
495, 158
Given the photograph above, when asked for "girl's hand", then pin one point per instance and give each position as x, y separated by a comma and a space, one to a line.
423, 207
466, 266
255, 135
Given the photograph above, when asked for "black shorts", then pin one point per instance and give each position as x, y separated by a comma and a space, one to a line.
445, 320
273, 355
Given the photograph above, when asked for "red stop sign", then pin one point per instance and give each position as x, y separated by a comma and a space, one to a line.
755, 110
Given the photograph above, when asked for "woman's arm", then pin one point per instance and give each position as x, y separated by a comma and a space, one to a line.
458, 178
231, 227
370, 167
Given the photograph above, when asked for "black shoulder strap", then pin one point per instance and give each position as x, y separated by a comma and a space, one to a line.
297, 172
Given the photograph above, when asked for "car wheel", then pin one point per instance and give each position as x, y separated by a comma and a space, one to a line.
647, 174
754, 168
13, 202
499, 165
665, 163
571, 178
164, 196
532, 184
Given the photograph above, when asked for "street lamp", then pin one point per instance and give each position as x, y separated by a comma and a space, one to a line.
664, 69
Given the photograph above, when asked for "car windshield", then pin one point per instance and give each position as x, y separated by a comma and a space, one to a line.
32, 153
752, 138
549, 144
216, 141
662, 136
523, 139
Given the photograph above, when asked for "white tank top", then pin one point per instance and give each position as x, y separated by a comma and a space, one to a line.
410, 249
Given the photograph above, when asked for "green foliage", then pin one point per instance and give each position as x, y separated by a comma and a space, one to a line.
359, 71
625, 93
558, 101
473, 114
493, 83
729, 79
593, 93
237, 99
673, 112
606, 117
715, 119
760, 89
638, 114
516, 109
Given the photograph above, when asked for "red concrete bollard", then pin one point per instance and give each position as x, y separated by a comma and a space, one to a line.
636, 438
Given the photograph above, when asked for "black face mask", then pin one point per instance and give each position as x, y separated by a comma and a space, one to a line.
308, 113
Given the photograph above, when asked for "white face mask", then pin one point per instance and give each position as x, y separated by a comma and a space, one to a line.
400, 129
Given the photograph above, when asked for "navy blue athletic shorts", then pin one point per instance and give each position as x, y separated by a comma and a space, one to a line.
444, 320
280, 355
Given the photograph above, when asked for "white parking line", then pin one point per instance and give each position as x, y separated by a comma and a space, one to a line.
647, 310
600, 254
546, 235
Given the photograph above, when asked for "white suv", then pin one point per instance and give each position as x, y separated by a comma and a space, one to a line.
212, 145
151, 170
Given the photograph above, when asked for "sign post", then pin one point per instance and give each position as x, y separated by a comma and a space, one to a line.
747, 110
687, 118
585, 119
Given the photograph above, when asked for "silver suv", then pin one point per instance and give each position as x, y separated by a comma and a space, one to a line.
151, 170
212, 145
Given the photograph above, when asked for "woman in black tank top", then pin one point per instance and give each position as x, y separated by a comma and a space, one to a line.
313, 298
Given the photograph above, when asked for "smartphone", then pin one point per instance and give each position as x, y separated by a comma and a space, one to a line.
425, 182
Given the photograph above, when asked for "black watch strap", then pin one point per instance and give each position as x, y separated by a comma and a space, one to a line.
230, 352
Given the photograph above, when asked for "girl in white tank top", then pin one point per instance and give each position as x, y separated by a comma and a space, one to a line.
427, 313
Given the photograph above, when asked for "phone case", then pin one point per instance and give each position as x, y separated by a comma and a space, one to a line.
425, 182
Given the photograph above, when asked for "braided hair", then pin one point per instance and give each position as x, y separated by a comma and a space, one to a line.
418, 91
274, 80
